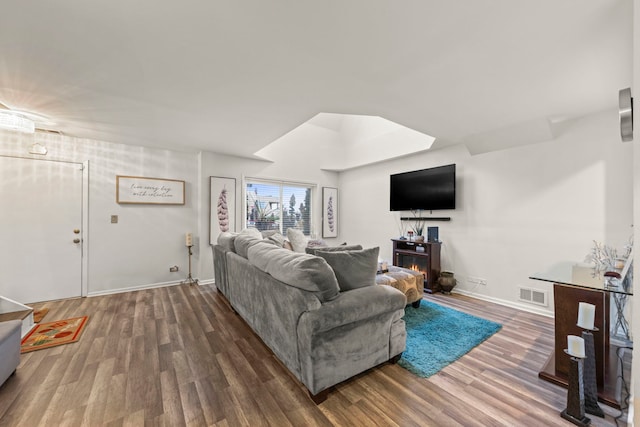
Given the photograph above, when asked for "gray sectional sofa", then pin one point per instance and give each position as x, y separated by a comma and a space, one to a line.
293, 301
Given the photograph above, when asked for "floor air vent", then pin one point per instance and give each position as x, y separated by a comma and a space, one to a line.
533, 296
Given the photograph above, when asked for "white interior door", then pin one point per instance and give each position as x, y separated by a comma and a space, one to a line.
40, 229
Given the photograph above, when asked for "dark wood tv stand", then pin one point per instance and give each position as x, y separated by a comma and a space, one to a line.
419, 256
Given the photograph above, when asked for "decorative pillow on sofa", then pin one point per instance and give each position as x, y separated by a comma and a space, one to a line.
298, 239
313, 250
316, 243
353, 269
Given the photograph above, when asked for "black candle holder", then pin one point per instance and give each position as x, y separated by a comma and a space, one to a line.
589, 375
575, 411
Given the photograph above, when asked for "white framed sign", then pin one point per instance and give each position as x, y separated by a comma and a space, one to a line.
155, 191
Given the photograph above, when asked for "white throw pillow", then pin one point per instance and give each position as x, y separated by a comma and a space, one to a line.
298, 239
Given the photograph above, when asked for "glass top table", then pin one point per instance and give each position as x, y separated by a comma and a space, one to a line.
584, 276
576, 282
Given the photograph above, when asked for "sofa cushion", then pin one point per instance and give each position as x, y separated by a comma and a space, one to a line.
245, 239
226, 240
353, 269
298, 239
259, 254
313, 250
302, 271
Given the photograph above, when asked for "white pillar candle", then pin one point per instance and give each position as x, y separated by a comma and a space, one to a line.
575, 346
586, 315
188, 239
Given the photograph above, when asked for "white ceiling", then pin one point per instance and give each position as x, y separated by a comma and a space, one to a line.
233, 76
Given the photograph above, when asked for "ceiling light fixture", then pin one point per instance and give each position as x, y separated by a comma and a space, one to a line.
16, 122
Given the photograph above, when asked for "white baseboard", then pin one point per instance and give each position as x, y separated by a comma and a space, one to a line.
512, 304
147, 286
134, 288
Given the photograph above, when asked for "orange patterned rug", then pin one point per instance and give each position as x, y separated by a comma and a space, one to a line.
45, 335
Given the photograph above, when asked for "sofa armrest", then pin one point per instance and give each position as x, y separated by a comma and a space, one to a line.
354, 305
356, 331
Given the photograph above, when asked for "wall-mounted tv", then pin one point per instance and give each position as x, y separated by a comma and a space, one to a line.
427, 189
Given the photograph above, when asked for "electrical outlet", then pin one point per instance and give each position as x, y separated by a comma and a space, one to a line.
114, 219
173, 269
477, 281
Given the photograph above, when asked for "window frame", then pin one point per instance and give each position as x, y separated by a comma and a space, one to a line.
313, 187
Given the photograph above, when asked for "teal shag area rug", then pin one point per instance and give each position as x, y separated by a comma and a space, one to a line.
438, 336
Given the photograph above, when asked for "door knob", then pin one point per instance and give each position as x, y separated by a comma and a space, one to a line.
76, 231
76, 240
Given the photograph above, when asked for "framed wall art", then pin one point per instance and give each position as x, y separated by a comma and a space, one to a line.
222, 207
329, 212
154, 191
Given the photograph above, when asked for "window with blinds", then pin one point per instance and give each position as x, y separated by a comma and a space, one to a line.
274, 205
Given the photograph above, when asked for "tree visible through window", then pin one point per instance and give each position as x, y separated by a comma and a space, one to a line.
278, 206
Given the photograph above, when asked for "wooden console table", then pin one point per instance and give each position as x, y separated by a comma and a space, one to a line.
574, 283
419, 256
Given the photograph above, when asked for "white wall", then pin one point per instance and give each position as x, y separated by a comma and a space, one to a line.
148, 239
518, 210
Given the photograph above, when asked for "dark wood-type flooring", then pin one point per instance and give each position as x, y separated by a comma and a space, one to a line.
179, 356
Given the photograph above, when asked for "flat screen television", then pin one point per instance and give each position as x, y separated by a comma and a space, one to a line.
427, 189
